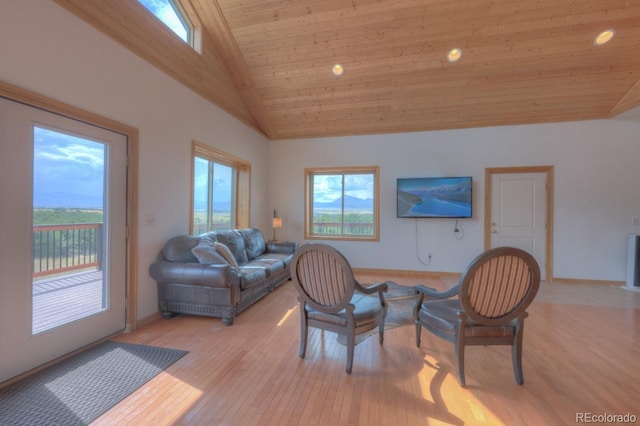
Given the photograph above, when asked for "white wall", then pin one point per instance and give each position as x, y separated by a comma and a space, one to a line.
46, 50
597, 191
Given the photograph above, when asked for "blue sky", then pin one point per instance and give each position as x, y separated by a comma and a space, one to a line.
68, 171
222, 184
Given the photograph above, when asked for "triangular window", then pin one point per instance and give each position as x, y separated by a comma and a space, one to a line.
171, 14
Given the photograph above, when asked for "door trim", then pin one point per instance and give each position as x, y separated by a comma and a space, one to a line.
29, 98
549, 170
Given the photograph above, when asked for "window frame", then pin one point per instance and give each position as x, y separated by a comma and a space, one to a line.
243, 181
184, 17
309, 173
189, 18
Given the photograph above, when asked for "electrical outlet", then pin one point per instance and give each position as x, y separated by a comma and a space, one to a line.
636, 221
150, 219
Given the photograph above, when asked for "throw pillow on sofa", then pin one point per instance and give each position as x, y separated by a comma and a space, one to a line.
206, 253
226, 254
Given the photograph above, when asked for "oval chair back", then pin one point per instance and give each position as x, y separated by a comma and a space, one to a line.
499, 285
323, 277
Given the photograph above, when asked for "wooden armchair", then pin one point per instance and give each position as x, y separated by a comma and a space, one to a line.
492, 297
331, 298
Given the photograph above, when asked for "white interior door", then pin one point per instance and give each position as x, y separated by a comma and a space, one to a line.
51, 160
519, 212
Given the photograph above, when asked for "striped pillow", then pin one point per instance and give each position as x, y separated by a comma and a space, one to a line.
226, 254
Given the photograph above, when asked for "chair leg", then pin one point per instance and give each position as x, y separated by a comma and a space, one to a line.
459, 347
381, 333
418, 333
516, 353
304, 330
351, 343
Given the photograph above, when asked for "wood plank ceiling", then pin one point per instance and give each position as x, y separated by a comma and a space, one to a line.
268, 62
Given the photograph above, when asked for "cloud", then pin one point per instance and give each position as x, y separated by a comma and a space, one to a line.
327, 188
68, 171
359, 186
222, 183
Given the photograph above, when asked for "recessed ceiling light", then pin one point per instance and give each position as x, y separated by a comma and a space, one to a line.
604, 37
454, 55
337, 70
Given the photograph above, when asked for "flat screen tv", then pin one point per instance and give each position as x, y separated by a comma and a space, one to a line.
435, 197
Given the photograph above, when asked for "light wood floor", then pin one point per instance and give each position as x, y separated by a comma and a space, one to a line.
582, 355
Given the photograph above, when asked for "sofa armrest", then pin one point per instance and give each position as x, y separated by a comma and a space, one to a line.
282, 247
210, 275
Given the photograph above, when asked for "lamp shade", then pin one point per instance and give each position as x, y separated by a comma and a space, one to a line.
277, 222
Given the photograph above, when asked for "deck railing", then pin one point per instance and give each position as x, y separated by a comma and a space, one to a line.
201, 228
67, 247
319, 228
337, 228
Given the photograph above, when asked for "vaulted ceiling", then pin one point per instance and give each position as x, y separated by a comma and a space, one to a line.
268, 62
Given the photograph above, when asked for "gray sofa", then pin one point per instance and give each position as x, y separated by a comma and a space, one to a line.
220, 273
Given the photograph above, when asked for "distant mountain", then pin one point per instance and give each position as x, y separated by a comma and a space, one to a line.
350, 203
59, 199
42, 199
443, 189
222, 206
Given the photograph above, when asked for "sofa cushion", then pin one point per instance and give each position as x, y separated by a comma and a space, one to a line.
253, 242
178, 249
234, 241
226, 254
206, 253
251, 276
282, 257
272, 266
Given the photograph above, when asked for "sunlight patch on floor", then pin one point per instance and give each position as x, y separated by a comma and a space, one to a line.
287, 315
436, 380
186, 397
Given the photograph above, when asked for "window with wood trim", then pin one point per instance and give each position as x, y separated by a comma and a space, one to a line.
342, 203
177, 18
220, 190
